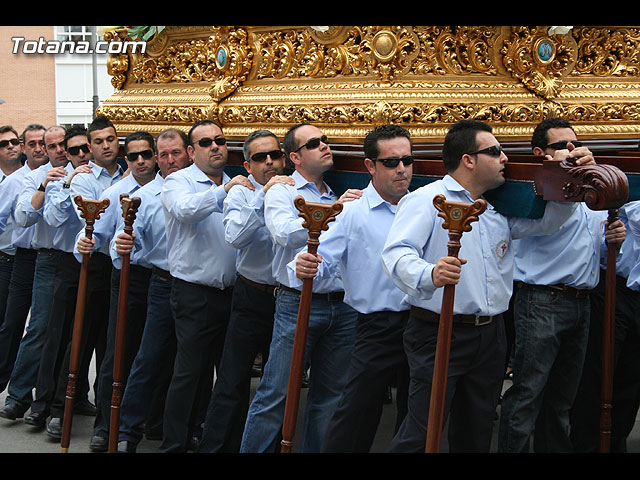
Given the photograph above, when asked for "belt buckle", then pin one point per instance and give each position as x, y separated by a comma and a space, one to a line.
479, 323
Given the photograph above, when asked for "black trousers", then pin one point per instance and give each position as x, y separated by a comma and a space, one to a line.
136, 316
378, 360
474, 382
249, 332
94, 331
585, 414
201, 314
17, 310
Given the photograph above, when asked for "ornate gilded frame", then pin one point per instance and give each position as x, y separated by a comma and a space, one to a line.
348, 79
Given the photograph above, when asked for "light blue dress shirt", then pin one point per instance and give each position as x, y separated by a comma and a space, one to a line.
285, 226
245, 230
351, 250
150, 240
26, 215
417, 241
59, 211
628, 264
10, 190
90, 186
570, 256
6, 245
196, 248
105, 227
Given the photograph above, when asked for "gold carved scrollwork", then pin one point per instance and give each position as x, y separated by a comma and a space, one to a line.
350, 78
537, 60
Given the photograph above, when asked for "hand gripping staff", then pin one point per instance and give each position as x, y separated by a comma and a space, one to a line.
457, 219
129, 210
316, 218
90, 211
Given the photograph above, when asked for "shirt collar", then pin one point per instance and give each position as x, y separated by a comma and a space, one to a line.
301, 182
200, 176
97, 170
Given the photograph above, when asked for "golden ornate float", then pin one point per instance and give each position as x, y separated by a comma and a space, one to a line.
347, 79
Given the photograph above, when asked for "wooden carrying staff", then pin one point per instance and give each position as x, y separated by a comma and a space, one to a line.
457, 219
608, 331
317, 217
90, 210
129, 210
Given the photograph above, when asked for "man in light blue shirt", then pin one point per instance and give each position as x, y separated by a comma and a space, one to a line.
350, 250
104, 172
331, 331
587, 406
21, 282
144, 395
416, 258
551, 313
141, 162
28, 213
10, 153
58, 211
203, 268
253, 302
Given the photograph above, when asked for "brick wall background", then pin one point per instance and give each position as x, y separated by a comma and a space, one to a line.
27, 82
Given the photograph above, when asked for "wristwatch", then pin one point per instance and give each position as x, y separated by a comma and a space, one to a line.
66, 185
41, 188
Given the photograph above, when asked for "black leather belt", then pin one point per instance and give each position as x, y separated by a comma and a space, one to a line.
429, 316
329, 297
161, 273
263, 287
570, 291
6, 255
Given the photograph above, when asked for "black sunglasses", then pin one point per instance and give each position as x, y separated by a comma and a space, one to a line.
393, 162
133, 156
494, 151
76, 149
5, 143
312, 143
562, 144
206, 141
262, 156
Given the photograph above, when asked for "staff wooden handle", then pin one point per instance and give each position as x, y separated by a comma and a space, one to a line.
90, 210
129, 210
317, 217
608, 329
457, 219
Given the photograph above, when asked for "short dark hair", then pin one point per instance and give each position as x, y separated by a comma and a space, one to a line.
540, 138
461, 139
254, 135
74, 131
31, 128
9, 128
140, 135
200, 123
289, 143
382, 132
100, 123
172, 132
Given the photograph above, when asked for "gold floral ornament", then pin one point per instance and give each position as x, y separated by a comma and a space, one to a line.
537, 59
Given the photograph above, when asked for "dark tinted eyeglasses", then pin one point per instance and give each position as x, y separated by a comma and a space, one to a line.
13, 141
562, 144
313, 143
494, 151
262, 156
393, 162
206, 141
133, 156
76, 149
